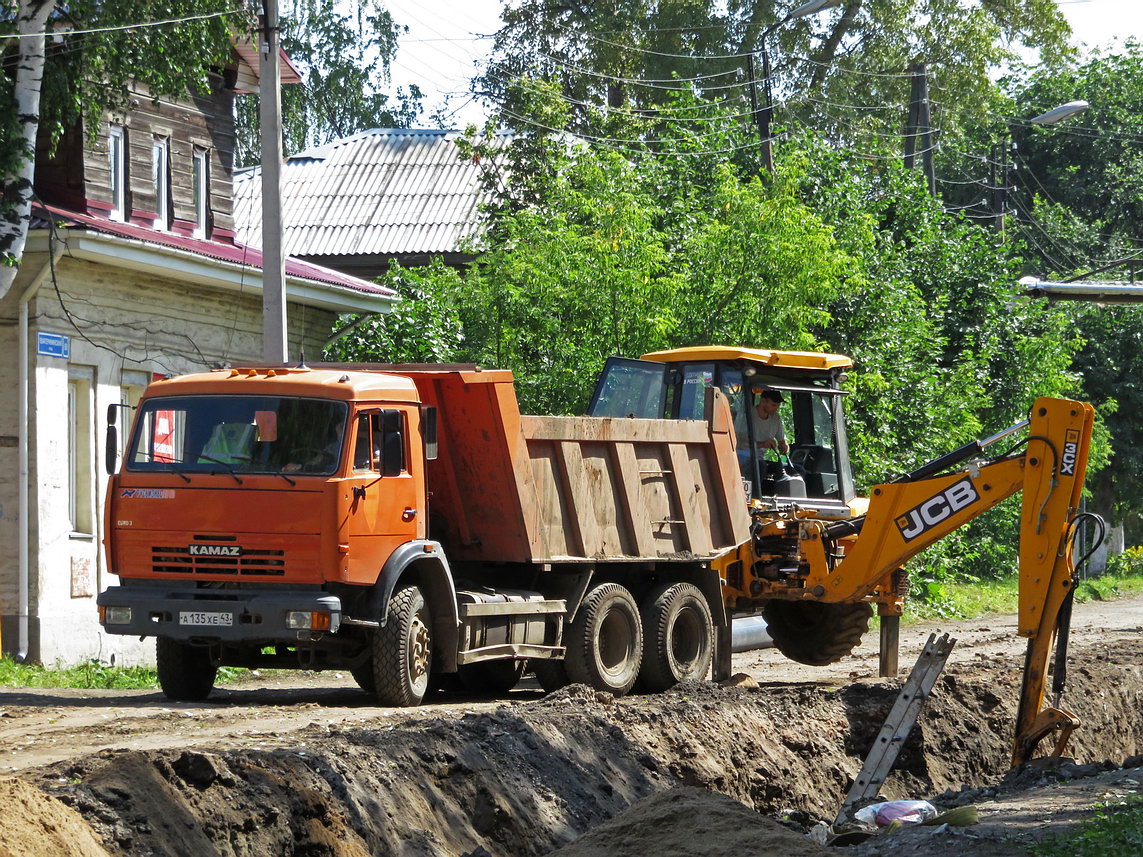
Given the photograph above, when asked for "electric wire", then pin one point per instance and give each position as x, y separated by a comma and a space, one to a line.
122, 27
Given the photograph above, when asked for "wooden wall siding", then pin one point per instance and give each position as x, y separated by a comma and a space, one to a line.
205, 120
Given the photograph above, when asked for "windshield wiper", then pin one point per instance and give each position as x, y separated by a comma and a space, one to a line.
229, 468
171, 467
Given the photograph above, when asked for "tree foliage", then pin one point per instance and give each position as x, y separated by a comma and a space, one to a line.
845, 70
344, 53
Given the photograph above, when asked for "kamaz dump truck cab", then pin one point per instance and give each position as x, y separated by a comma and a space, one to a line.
671, 384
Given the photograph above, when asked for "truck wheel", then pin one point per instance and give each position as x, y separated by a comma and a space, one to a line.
363, 675
552, 675
678, 636
491, 677
605, 642
402, 650
186, 673
814, 632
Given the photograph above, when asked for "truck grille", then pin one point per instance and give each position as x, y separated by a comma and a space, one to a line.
178, 560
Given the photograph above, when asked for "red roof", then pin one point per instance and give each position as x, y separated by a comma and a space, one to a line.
239, 254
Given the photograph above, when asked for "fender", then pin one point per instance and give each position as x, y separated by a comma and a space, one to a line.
424, 562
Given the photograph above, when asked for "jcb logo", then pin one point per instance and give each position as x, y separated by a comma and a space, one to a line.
214, 550
1071, 446
922, 518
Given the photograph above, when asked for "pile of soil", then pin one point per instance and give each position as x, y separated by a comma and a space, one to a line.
690, 822
32, 824
526, 779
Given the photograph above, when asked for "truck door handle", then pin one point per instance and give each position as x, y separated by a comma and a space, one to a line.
358, 492
408, 514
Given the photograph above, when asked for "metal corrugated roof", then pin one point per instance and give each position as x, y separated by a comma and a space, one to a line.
380, 192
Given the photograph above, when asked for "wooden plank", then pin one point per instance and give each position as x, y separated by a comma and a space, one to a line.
580, 527
687, 494
636, 520
615, 430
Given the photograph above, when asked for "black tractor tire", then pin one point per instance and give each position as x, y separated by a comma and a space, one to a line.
552, 675
605, 640
814, 632
678, 637
402, 650
186, 672
491, 677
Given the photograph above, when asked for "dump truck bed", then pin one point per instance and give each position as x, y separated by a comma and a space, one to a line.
508, 487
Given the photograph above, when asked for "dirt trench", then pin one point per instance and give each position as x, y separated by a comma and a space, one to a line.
529, 778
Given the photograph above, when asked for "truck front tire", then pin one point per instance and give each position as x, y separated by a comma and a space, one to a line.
678, 637
402, 650
186, 673
815, 632
605, 641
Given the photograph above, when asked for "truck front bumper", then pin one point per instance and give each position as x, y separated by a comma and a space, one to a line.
229, 616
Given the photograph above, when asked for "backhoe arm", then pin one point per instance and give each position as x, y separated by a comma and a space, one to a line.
905, 517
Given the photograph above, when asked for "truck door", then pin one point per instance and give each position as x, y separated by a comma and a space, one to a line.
384, 494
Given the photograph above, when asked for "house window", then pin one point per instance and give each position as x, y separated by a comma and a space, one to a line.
81, 459
201, 177
117, 164
161, 180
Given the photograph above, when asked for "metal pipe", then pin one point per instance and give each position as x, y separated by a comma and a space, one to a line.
25, 533
749, 633
1000, 435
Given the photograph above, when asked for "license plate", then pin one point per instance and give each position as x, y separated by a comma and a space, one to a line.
197, 618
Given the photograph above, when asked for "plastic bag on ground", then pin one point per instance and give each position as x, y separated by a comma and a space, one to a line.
904, 811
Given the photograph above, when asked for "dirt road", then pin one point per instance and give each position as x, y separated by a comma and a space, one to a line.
297, 762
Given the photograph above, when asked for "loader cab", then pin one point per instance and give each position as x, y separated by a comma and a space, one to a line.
672, 385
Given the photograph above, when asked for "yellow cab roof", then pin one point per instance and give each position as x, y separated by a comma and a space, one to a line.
341, 384
785, 359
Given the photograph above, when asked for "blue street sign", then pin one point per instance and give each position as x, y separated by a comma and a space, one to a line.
53, 344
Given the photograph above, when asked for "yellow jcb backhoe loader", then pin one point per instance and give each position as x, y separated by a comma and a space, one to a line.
820, 556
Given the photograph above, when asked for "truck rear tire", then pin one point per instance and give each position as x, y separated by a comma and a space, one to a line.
605, 641
814, 632
552, 675
363, 675
678, 637
402, 650
491, 677
186, 673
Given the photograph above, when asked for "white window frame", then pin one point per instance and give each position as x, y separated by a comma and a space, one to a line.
161, 180
117, 166
81, 451
201, 177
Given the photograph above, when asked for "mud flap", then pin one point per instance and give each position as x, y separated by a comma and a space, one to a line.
722, 635
890, 646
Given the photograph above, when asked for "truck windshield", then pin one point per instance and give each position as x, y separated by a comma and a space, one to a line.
238, 434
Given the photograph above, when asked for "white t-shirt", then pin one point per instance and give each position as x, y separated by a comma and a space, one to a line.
769, 428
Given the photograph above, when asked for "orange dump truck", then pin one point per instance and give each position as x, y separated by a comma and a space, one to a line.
409, 525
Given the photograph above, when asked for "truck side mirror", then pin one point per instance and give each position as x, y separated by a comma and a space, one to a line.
111, 450
429, 432
392, 443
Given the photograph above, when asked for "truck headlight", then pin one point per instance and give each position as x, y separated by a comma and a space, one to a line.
299, 620
113, 615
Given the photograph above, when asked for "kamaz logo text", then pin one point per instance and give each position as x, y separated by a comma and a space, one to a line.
924, 517
1071, 447
214, 550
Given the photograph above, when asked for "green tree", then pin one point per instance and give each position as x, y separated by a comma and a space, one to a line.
344, 57
613, 55
86, 72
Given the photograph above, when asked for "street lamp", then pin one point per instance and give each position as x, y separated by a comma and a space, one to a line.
766, 113
999, 169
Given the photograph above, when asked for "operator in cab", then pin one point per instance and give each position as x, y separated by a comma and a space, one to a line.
769, 433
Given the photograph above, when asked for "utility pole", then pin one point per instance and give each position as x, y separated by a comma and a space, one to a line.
998, 183
270, 119
920, 126
761, 115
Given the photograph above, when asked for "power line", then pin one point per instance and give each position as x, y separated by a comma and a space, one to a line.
122, 27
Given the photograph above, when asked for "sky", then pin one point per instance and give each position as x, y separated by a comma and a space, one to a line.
443, 46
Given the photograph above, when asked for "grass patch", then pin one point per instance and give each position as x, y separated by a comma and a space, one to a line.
1115, 831
971, 600
93, 675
